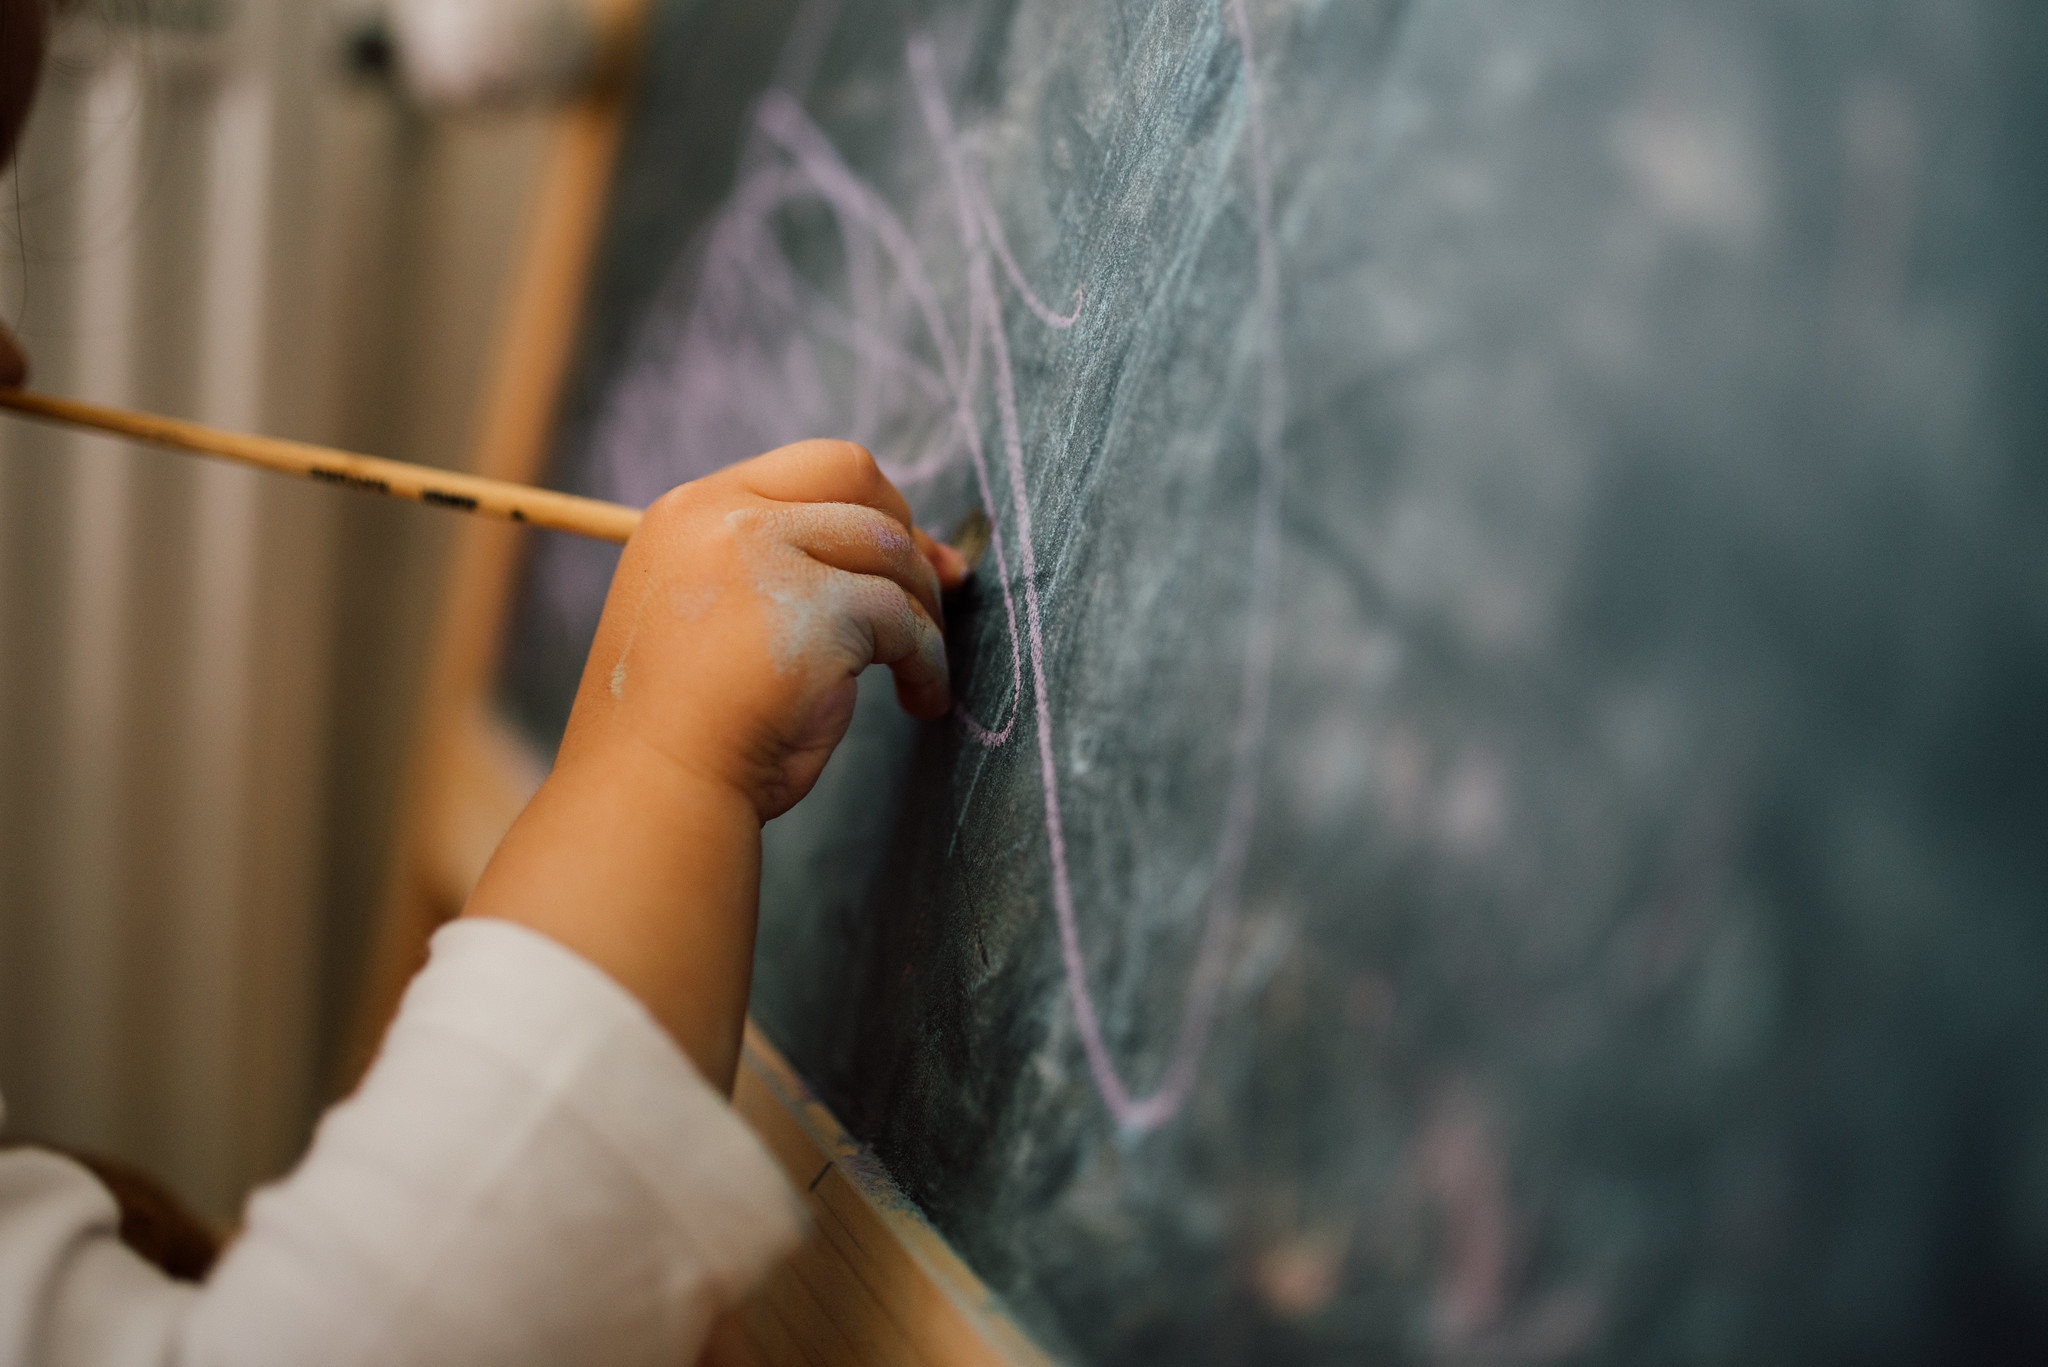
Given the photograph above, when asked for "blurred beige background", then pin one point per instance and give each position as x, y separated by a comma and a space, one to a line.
206, 673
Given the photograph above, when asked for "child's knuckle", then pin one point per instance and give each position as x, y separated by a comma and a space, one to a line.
675, 509
859, 464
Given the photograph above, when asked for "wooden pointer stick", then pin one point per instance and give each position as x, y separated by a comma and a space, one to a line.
421, 483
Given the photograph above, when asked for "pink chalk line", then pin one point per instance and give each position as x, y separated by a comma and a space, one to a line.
742, 253
856, 203
1198, 1013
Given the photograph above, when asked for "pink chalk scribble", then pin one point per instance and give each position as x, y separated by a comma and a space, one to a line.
1460, 1163
1248, 741
741, 338
1483, 1312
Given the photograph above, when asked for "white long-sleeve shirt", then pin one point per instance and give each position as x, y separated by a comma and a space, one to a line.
532, 1172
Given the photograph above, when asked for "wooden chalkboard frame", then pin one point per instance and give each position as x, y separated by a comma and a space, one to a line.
875, 1285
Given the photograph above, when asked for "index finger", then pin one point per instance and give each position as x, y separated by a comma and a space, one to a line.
823, 471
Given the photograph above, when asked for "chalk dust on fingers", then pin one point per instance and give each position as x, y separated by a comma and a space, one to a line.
831, 526
618, 675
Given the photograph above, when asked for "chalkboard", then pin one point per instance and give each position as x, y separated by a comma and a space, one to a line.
1499, 805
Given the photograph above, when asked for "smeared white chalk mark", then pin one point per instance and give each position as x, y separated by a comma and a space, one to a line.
618, 675
1698, 168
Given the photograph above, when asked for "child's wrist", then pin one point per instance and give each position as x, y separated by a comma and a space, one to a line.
629, 769
650, 871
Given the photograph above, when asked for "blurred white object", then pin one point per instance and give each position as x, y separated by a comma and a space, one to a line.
461, 53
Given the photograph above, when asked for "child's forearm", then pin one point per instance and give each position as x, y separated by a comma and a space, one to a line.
722, 675
651, 873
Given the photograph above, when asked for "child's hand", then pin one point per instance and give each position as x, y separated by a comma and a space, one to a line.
722, 676
746, 606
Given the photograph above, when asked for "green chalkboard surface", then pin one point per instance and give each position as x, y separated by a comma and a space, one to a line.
1498, 811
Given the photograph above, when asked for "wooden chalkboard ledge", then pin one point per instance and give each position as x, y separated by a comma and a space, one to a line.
875, 1283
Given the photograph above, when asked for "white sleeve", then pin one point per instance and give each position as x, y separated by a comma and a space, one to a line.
531, 1173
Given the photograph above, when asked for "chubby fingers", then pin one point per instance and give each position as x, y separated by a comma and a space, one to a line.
847, 536
893, 631
828, 471
949, 564
874, 596
822, 472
